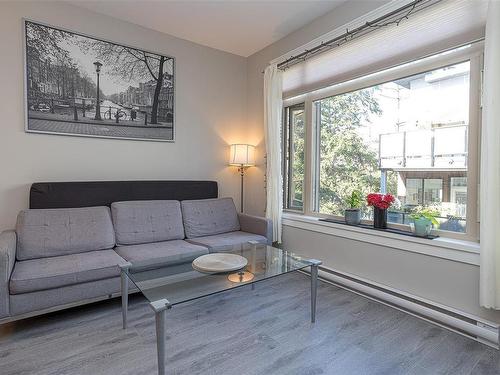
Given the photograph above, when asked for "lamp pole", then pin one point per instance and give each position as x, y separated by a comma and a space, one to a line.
241, 169
97, 65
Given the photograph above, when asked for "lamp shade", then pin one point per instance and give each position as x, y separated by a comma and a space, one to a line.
242, 155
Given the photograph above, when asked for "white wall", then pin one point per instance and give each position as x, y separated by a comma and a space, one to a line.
444, 281
210, 113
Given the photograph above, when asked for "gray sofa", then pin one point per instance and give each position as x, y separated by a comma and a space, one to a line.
57, 258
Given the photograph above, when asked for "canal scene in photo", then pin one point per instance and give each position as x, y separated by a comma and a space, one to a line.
78, 85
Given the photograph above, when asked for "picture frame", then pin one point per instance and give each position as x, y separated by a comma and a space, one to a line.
81, 85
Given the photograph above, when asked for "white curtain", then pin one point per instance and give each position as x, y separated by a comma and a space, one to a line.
273, 108
490, 164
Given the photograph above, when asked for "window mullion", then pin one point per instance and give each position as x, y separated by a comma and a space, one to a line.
284, 150
473, 158
309, 160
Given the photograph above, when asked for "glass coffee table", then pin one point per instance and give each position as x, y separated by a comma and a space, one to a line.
167, 286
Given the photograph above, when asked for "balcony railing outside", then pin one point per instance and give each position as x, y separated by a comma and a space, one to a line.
436, 148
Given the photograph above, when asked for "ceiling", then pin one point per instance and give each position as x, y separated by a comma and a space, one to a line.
239, 27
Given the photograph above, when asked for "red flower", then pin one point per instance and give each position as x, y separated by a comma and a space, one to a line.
382, 201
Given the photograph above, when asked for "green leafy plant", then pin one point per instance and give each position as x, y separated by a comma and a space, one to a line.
355, 200
428, 213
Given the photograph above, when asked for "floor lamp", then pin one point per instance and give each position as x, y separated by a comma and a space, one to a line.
242, 156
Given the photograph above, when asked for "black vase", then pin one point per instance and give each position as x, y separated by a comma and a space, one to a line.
379, 218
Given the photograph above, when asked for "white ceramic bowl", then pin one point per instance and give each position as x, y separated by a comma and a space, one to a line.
219, 262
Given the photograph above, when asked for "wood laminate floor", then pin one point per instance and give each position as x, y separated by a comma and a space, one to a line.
262, 331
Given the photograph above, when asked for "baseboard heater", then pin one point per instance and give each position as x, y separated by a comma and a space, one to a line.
465, 324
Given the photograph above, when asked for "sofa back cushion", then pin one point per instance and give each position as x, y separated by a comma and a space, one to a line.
139, 222
61, 231
209, 216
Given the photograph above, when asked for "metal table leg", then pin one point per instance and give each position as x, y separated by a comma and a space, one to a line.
314, 287
160, 308
253, 245
124, 290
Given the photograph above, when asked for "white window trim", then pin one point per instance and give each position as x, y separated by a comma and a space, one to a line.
287, 136
473, 53
441, 247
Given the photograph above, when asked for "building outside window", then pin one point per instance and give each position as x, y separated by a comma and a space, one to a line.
423, 191
408, 136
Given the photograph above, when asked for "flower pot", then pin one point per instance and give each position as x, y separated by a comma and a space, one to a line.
379, 218
353, 216
421, 227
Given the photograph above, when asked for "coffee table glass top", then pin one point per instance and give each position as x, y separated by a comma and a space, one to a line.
180, 283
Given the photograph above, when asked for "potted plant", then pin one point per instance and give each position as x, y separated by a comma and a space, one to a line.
353, 213
422, 221
380, 203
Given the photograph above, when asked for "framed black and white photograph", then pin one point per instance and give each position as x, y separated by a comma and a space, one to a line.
84, 86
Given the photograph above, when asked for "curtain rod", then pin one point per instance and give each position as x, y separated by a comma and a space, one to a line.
392, 18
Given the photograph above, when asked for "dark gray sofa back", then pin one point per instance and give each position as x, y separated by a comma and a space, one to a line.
103, 193
63, 231
138, 222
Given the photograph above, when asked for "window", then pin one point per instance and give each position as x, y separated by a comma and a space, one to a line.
408, 131
423, 191
294, 135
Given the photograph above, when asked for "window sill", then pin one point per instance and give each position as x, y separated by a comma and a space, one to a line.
441, 247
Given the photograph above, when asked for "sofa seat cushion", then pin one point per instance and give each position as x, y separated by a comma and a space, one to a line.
158, 254
206, 217
55, 272
226, 241
62, 231
138, 222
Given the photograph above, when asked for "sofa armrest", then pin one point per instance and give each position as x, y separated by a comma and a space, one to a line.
8, 241
257, 225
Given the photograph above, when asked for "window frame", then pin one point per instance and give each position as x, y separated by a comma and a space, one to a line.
287, 144
422, 180
474, 54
